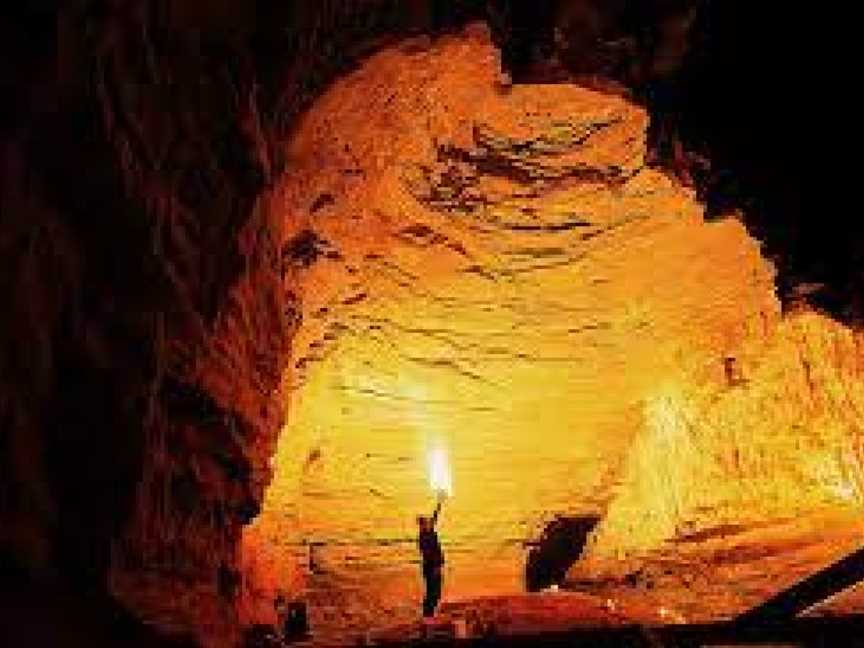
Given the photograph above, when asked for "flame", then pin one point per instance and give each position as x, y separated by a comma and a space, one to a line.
440, 478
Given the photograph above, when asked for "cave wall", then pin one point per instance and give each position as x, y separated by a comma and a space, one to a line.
498, 270
731, 493
149, 318
435, 212
149, 307
745, 101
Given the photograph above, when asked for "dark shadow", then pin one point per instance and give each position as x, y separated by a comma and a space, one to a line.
750, 105
557, 549
818, 587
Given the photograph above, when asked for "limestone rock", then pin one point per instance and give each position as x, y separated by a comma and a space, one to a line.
495, 272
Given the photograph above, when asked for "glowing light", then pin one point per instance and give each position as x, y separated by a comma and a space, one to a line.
845, 490
440, 478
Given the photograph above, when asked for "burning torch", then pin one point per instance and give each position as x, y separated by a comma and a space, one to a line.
440, 478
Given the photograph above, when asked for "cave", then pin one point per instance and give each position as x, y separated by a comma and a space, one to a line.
275, 272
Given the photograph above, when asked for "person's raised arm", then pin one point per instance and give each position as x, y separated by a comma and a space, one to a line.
438, 507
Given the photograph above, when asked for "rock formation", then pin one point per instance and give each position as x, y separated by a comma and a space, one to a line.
429, 255
496, 270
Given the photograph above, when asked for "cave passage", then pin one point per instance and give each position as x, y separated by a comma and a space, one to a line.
498, 272
262, 262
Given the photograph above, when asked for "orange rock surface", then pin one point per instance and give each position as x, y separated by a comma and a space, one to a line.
496, 272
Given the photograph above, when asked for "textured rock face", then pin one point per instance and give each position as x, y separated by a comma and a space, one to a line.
148, 315
731, 493
496, 272
149, 309
148, 321
473, 265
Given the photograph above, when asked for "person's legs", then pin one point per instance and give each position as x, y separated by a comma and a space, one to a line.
433, 591
428, 610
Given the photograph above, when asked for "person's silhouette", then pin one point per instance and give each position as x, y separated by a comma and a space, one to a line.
433, 557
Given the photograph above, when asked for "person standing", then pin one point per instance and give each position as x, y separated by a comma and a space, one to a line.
432, 558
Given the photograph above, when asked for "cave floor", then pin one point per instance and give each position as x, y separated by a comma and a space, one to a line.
577, 620
683, 596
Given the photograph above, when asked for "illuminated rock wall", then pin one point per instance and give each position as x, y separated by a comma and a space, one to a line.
152, 260
730, 493
495, 271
